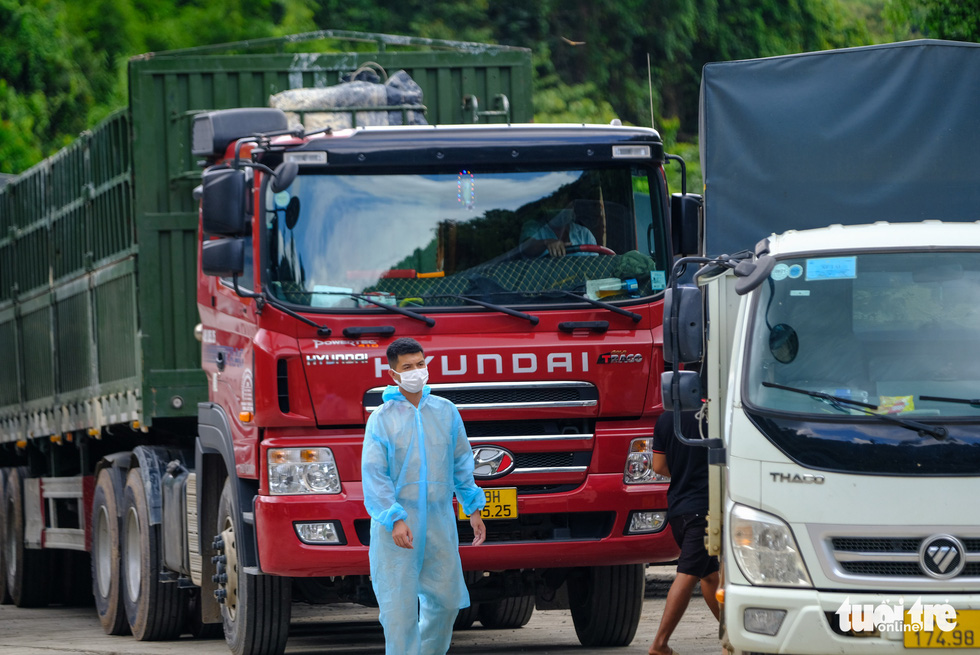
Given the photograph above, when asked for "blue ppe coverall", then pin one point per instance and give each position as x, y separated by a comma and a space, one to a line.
413, 460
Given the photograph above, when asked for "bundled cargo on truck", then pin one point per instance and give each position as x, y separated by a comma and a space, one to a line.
348, 104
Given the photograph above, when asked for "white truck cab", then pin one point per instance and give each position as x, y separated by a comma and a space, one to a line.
850, 421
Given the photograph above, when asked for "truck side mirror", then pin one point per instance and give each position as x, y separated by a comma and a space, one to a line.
223, 202
687, 396
685, 223
283, 176
223, 257
686, 326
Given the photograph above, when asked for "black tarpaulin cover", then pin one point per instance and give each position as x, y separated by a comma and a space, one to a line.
857, 135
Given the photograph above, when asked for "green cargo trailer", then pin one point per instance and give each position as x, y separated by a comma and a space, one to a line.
97, 243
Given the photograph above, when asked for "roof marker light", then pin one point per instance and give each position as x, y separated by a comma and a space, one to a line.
301, 158
631, 152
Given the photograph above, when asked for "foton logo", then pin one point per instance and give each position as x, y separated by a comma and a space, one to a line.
490, 462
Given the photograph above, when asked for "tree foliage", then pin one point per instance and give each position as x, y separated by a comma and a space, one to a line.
955, 20
592, 61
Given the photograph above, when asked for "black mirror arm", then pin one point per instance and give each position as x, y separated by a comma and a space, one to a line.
683, 164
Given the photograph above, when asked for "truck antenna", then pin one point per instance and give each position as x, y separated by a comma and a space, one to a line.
650, 86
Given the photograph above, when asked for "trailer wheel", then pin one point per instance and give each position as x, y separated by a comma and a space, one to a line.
255, 609
72, 581
155, 609
26, 568
106, 543
512, 612
606, 602
4, 594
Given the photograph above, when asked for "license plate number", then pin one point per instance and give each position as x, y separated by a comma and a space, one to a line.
501, 504
966, 634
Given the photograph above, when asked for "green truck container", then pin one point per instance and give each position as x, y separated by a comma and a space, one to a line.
97, 242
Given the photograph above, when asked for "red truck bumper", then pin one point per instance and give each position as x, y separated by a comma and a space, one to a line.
603, 502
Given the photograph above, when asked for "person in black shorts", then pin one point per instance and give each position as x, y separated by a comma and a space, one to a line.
687, 507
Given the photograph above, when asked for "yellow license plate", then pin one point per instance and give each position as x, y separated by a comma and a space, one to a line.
501, 504
966, 634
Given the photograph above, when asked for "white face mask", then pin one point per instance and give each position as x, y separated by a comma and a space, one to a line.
413, 381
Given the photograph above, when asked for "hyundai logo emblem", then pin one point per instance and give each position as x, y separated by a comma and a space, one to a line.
491, 462
942, 556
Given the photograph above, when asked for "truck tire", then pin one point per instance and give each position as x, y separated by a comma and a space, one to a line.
512, 612
26, 568
155, 610
255, 609
72, 580
466, 617
606, 602
106, 548
4, 594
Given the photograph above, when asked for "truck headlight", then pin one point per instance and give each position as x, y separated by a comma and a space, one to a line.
765, 549
639, 463
302, 471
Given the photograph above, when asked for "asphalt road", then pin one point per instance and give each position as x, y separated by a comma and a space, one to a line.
354, 630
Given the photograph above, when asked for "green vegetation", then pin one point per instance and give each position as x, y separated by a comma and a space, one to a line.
63, 62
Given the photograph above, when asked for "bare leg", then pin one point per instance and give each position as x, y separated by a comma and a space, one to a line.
709, 585
677, 600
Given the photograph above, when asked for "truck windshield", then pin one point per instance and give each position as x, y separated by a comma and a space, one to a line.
895, 333
424, 240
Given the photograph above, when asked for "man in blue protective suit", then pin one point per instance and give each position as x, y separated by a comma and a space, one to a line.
415, 456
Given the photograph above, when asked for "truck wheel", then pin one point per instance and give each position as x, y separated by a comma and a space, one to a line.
4, 594
26, 568
606, 602
255, 609
72, 581
466, 617
155, 609
507, 613
106, 574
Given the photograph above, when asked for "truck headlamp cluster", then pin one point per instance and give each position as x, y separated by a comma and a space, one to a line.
639, 463
294, 471
765, 549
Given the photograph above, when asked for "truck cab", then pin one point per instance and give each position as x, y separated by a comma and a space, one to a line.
319, 249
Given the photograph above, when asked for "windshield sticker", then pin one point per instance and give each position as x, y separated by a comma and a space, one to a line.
799, 292
779, 272
831, 268
658, 282
795, 271
895, 404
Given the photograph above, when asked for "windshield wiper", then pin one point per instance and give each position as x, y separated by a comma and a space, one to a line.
428, 320
266, 298
975, 402
393, 308
598, 303
489, 305
838, 402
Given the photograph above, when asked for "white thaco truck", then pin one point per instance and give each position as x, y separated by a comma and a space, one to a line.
840, 365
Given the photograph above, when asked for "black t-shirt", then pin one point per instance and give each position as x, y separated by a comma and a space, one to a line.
688, 490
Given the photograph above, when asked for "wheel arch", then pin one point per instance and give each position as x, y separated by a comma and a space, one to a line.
215, 439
